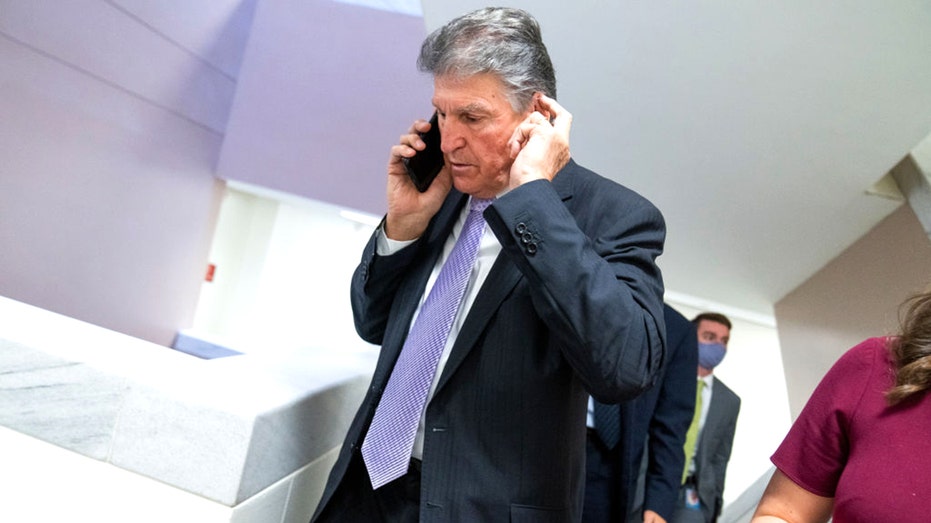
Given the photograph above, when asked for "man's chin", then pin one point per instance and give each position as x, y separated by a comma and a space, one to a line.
463, 186
478, 191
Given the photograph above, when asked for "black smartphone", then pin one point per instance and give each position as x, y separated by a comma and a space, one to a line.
426, 164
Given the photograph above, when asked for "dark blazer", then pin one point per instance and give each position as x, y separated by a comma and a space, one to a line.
659, 420
714, 448
572, 306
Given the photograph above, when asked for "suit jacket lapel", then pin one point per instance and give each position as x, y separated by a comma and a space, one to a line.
715, 416
411, 292
563, 182
502, 278
500, 281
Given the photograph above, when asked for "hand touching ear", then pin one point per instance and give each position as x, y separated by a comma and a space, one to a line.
540, 144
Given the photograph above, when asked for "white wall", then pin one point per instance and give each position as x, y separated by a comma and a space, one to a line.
283, 270
855, 296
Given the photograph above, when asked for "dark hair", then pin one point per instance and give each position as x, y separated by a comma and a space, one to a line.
498, 40
712, 316
911, 350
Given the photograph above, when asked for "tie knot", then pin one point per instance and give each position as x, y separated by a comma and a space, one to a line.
480, 204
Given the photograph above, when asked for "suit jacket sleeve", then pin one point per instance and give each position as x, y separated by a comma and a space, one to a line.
725, 443
591, 267
374, 287
671, 418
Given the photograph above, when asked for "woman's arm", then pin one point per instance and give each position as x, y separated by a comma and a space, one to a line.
786, 501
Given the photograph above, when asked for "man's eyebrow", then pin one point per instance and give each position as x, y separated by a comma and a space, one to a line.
472, 108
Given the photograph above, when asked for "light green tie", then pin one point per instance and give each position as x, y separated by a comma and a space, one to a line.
691, 437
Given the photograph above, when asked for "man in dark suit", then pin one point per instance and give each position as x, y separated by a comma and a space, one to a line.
563, 300
624, 483
701, 496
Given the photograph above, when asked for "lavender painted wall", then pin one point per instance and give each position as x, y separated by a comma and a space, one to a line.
325, 91
112, 118
111, 122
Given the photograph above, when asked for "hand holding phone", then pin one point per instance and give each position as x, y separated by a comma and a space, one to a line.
424, 166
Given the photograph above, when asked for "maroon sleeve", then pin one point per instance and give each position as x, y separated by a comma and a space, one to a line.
814, 452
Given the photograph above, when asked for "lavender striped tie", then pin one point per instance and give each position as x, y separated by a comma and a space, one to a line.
390, 439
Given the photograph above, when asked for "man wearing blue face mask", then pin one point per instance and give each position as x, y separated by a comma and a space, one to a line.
711, 434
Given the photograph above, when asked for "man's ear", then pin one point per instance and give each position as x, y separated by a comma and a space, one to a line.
535, 105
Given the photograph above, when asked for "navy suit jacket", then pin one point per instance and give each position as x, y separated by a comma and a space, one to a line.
571, 307
659, 420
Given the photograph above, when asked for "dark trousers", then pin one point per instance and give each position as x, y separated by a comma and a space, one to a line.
356, 502
602, 483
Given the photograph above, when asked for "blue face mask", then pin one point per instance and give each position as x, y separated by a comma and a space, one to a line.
710, 354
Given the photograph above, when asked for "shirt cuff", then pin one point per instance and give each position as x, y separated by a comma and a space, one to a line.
385, 246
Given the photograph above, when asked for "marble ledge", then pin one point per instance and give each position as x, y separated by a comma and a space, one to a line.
223, 429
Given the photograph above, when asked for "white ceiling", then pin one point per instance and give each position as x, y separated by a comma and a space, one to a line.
756, 127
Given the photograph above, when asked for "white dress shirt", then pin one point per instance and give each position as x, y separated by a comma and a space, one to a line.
705, 401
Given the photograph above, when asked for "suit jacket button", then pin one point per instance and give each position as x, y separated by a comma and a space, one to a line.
532, 248
526, 238
521, 227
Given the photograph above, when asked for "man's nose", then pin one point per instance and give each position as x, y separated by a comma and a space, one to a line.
451, 137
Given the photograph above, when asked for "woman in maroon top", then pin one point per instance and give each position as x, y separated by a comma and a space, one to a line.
861, 449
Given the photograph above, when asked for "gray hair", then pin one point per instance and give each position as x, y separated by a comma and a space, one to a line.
502, 41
